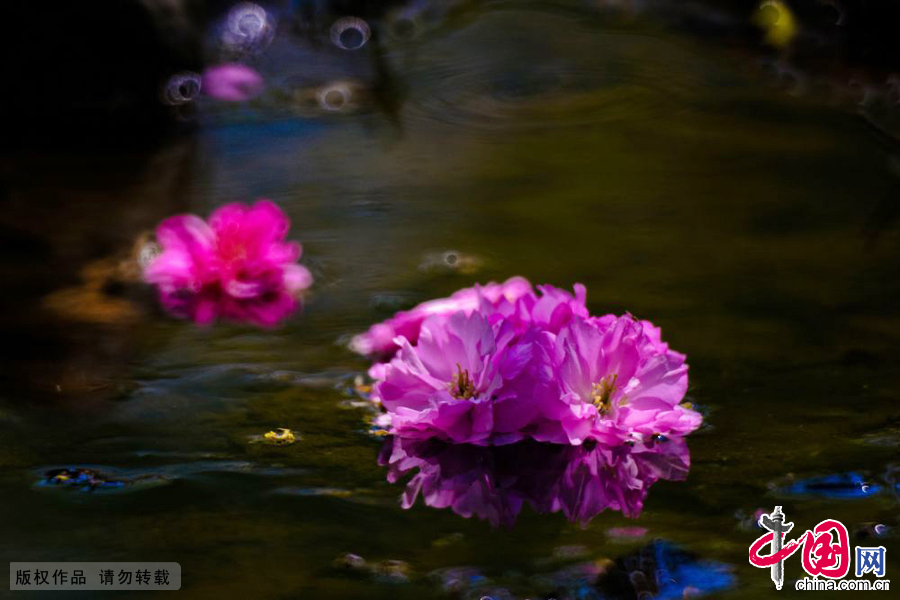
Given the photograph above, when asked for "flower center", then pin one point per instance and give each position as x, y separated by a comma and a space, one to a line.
231, 250
461, 386
602, 392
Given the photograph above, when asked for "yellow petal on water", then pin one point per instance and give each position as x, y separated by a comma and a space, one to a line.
777, 21
281, 436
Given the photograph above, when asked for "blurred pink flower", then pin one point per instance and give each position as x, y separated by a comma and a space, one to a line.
231, 82
236, 267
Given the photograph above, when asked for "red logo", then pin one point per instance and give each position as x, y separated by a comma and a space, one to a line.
826, 548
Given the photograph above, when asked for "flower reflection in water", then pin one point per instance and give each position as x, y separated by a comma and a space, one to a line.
494, 482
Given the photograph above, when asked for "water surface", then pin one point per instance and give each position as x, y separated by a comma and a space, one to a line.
527, 139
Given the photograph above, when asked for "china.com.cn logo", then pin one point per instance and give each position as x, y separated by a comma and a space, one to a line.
826, 553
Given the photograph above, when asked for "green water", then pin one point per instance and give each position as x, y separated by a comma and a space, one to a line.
661, 173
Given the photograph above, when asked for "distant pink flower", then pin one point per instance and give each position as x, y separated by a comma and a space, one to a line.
237, 266
513, 300
231, 82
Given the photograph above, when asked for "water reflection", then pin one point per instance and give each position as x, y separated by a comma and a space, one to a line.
657, 571
663, 572
836, 486
75, 250
631, 199
103, 478
493, 483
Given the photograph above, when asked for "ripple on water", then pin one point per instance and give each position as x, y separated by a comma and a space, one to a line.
384, 571
98, 478
453, 580
361, 496
513, 70
658, 570
94, 479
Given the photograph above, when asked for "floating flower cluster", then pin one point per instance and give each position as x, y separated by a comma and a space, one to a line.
497, 364
237, 266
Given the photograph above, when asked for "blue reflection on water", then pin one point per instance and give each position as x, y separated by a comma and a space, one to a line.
85, 480
840, 485
704, 576
663, 571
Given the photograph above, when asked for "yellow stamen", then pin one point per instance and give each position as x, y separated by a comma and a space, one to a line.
461, 386
602, 392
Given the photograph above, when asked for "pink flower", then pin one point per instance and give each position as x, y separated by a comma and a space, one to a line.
237, 266
510, 364
612, 380
379, 339
513, 300
454, 384
231, 82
